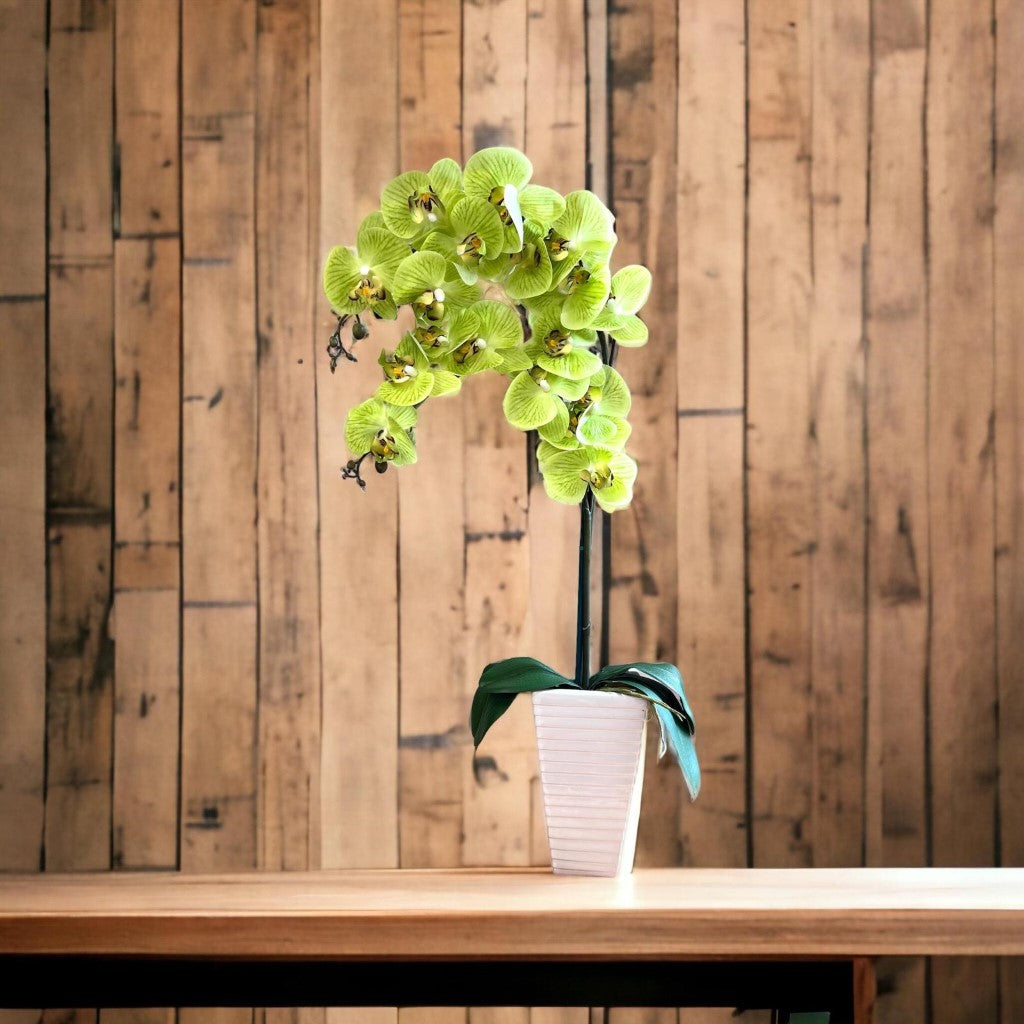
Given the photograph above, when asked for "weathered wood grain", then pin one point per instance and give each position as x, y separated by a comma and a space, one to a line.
434, 742
898, 547
710, 397
1009, 465
497, 793
962, 689
358, 574
840, 85
780, 528
287, 239
23, 427
642, 71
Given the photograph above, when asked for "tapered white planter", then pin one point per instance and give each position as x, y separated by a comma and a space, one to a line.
591, 747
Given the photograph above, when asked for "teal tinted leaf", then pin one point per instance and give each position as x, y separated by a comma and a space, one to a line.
662, 676
499, 684
446, 178
341, 275
497, 166
630, 288
540, 204
529, 403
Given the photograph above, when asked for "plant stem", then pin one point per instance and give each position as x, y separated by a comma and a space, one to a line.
583, 597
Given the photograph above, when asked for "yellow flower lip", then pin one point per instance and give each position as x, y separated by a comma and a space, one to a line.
556, 342
424, 205
471, 249
558, 247
368, 289
383, 447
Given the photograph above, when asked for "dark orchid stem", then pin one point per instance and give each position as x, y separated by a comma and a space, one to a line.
583, 624
604, 649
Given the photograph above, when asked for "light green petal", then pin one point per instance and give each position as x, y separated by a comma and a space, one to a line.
540, 204
417, 273
530, 275
381, 250
566, 387
615, 397
596, 430
587, 223
619, 493
457, 293
410, 348
341, 275
556, 430
585, 301
477, 216
445, 383
514, 359
499, 165
375, 219
404, 416
406, 449
630, 288
363, 423
394, 203
562, 479
576, 364
411, 391
527, 405
629, 331
500, 325
546, 451
440, 242
384, 309
446, 177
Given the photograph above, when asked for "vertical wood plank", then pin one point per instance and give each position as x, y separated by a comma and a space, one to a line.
709, 365
1009, 469
219, 426
962, 690
147, 418
434, 742
642, 43
359, 643
839, 142
498, 791
780, 530
22, 423
219, 621
287, 262
79, 450
897, 595
146, 153
557, 144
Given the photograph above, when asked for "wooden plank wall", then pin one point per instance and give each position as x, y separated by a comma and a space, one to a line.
216, 654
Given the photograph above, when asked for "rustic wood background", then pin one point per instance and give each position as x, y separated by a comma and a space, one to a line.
213, 652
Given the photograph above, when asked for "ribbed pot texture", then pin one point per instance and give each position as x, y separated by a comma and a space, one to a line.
591, 747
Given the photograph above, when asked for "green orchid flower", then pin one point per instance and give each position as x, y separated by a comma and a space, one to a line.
414, 201
536, 397
628, 292
601, 416
425, 281
360, 280
408, 379
556, 348
586, 288
382, 430
568, 474
478, 233
480, 337
585, 228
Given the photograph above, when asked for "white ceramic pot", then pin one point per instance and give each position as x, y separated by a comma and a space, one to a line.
591, 747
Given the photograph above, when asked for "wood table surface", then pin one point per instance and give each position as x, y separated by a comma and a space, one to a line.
654, 914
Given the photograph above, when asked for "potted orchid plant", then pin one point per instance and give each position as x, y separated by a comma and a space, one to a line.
506, 276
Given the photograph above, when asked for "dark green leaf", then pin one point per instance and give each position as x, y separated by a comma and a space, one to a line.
499, 684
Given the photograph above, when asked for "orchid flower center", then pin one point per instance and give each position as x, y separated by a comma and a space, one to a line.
383, 447
370, 288
430, 305
497, 200
467, 349
471, 249
558, 247
599, 476
398, 369
430, 336
425, 205
557, 343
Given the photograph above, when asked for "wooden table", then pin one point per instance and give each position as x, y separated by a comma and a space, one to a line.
788, 939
